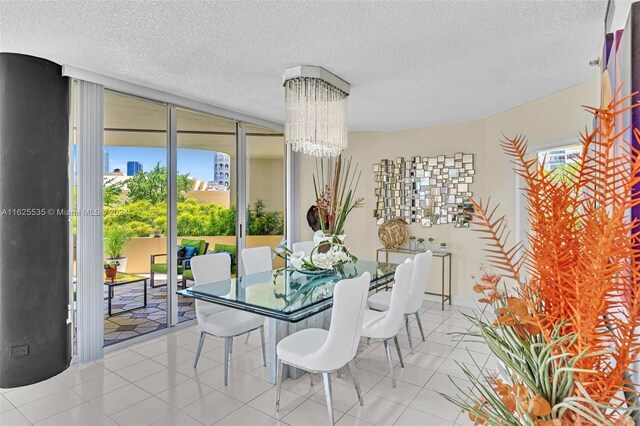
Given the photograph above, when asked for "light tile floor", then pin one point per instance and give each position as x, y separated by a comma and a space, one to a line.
154, 382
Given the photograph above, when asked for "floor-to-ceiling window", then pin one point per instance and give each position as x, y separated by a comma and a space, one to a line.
135, 219
150, 146
206, 191
265, 187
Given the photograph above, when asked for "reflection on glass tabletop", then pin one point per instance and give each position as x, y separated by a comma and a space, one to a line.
287, 295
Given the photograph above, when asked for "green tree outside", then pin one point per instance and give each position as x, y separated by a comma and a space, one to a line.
152, 186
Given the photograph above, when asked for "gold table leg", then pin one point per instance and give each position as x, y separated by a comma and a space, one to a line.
442, 258
450, 296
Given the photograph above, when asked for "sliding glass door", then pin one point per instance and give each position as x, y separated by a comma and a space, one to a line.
176, 183
205, 194
264, 195
135, 219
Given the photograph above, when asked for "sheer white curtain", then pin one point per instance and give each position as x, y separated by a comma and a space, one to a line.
90, 145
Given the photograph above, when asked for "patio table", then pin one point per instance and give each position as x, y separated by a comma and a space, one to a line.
124, 279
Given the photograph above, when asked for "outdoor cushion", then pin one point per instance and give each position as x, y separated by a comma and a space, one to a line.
200, 244
161, 268
188, 274
190, 251
226, 247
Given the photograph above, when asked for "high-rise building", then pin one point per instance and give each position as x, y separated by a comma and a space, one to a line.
553, 158
222, 169
133, 167
107, 169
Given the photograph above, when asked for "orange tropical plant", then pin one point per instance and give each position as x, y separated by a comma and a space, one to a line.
577, 279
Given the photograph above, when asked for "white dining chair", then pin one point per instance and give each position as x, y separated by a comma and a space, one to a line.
387, 325
220, 321
303, 246
381, 300
324, 351
256, 260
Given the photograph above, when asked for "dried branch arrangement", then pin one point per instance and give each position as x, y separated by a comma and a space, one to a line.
566, 338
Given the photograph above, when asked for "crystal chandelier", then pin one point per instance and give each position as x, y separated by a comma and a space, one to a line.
315, 111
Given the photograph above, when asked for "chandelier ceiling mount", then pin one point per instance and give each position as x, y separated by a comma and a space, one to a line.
315, 111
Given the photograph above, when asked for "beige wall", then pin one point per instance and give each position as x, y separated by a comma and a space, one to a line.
215, 197
139, 250
266, 182
552, 119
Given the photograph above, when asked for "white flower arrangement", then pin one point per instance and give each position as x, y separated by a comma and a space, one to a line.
316, 261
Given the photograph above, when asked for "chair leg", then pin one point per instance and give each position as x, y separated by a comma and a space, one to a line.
231, 345
246, 340
310, 378
151, 279
356, 382
395, 340
264, 352
327, 390
199, 351
339, 373
406, 325
387, 351
419, 321
228, 341
279, 373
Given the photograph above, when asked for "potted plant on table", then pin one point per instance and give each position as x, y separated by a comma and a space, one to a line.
110, 270
116, 238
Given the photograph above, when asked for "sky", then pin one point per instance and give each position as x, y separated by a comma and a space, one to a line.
196, 162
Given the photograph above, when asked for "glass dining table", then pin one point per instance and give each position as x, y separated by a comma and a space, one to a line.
290, 300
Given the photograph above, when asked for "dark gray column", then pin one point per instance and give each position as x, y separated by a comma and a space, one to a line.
34, 250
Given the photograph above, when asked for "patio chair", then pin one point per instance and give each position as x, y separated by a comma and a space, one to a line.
194, 247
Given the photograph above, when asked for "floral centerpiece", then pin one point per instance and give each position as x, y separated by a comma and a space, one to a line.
335, 184
316, 261
566, 334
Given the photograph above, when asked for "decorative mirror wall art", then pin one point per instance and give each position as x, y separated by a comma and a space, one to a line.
426, 190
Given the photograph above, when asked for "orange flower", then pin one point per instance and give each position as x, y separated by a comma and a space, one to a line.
538, 406
505, 317
517, 306
487, 286
479, 288
502, 388
509, 393
509, 402
532, 329
491, 279
477, 420
516, 314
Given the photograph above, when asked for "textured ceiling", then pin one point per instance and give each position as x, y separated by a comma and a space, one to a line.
410, 64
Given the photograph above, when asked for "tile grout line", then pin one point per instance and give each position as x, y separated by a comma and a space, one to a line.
366, 353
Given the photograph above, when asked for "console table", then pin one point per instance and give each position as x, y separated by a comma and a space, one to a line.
444, 258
